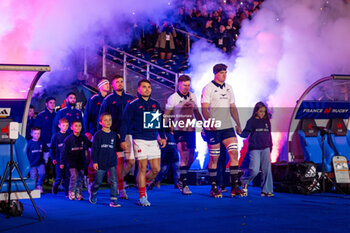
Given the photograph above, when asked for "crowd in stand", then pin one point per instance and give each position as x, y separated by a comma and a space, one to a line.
218, 22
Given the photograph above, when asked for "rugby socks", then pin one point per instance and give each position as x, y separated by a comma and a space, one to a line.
183, 175
235, 175
212, 176
142, 192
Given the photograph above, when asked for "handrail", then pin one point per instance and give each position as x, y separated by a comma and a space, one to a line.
188, 39
193, 35
141, 68
148, 64
140, 59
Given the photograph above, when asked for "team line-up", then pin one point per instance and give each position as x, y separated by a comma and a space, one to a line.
112, 134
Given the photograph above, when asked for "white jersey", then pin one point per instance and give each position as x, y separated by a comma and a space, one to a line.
182, 108
219, 97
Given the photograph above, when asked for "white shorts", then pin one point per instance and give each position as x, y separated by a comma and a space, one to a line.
129, 153
146, 149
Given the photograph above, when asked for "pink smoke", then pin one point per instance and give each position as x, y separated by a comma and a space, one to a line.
48, 32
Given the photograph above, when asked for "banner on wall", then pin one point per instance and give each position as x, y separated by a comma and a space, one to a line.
323, 110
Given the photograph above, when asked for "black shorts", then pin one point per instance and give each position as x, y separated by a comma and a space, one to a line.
186, 136
167, 48
216, 136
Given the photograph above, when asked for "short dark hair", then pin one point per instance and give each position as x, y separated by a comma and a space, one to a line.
184, 78
34, 129
143, 81
104, 114
71, 93
76, 121
50, 98
31, 106
117, 76
219, 67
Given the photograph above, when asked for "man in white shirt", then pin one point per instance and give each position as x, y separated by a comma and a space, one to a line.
218, 103
181, 108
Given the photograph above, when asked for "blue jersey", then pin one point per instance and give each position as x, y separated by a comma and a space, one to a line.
133, 120
259, 132
57, 143
91, 113
103, 150
44, 121
170, 153
70, 114
35, 152
115, 105
73, 152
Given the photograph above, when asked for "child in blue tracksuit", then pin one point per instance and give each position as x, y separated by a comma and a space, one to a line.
169, 158
73, 153
35, 152
57, 143
258, 128
104, 159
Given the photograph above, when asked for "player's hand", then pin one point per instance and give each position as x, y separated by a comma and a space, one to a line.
124, 146
203, 135
88, 135
238, 129
62, 166
211, 128
95, 166
162, 143
54, 162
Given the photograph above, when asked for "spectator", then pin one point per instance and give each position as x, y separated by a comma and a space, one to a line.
224, 41
165, 42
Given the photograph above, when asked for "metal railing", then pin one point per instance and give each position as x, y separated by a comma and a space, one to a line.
188, 36
142, 65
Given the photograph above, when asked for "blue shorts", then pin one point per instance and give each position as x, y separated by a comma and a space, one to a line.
216, 136
186, 136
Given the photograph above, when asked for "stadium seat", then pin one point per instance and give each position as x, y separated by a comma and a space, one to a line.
311, 142
339, 137
19, 156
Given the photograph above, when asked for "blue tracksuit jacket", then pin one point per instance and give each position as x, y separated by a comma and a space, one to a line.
133, 120
115, 105
44, 121
91, 113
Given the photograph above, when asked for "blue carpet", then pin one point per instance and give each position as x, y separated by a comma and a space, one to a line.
173, 212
